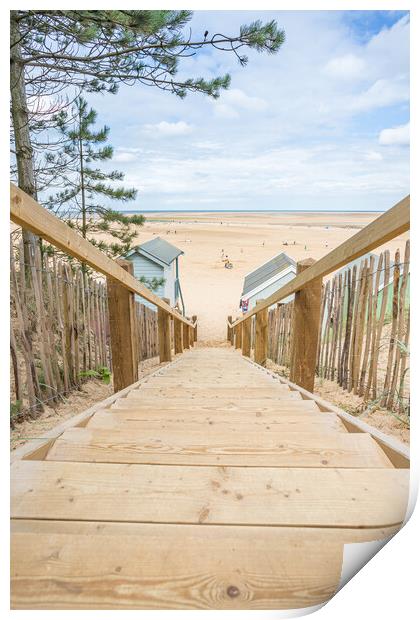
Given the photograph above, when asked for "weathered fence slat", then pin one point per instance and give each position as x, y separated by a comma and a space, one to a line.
361, 346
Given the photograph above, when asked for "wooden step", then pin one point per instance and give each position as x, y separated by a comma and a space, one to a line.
258, 393
215, 495
215, 383
191, 421
222, 404
246, 416
215, 447
92, 565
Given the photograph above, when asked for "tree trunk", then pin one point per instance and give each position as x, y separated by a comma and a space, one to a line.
20, 117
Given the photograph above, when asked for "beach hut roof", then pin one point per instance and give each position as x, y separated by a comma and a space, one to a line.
158, 249
265, 272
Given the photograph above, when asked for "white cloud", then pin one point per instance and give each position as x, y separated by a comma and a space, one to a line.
295, 128
382, 93
208, 145
373, 156
263, 178
233, 100
395, 136
124, 156
347, 67
164, 128
222, 110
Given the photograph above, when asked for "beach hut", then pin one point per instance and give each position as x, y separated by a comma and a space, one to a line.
267, 279
158, 260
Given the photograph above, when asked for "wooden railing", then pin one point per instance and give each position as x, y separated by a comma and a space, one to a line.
121, 287
307, 287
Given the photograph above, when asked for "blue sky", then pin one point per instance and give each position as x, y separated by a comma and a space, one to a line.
324, 124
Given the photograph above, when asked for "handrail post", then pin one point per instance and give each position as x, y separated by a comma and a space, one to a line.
238, 336
164, 333
261, 335
186, 335
305, 329
191, 335
246, 337
123, 331
178, 336
229, 329
194, 319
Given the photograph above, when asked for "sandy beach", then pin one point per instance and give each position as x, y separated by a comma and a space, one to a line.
249, 239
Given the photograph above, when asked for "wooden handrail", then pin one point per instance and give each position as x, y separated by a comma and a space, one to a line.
389, 225
27, 213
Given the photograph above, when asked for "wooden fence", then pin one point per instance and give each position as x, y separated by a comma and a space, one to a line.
301, 338
364, 331
60, 333
147, 332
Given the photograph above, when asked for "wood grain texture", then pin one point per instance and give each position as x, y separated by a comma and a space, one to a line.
135, 566
397, 452
214, 495
179, 348
255, 393
246, 338
215, 447
204, 404
75, 565
261, 335
164, 335
236, 423
305, 330
185, 336
123, 331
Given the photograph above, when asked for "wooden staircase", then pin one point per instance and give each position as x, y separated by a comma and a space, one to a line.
212, 485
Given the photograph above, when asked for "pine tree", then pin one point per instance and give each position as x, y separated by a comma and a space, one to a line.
96, 51
88, 190
55, 52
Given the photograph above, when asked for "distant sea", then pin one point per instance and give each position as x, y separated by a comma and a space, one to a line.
136, 211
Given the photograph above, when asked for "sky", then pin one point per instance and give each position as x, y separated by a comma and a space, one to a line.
323, 124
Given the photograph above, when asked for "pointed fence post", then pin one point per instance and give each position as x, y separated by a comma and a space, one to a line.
261, 336
164, 333
306, 319
123, 331
246, 337
178, 336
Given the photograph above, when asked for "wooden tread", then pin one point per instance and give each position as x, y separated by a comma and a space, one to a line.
79, 565
216, 393
233, 422
205, 404
212, 447
216, 495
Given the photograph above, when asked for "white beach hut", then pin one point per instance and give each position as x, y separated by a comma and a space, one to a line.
158, 259
267, 279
